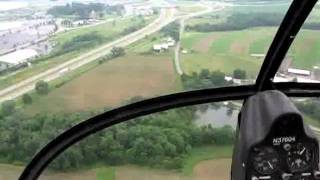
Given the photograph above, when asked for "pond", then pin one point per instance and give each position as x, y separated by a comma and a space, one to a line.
217, 116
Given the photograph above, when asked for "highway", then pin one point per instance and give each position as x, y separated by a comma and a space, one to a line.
166, 17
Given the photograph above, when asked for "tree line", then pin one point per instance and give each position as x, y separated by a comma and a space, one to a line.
311, 107
240, 21
159, 140
83, 11
172, 30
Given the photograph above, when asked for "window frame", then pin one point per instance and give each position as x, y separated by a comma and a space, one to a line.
290, 26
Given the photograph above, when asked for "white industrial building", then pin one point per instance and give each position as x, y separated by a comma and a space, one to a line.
138, 9
299, 72
17, 58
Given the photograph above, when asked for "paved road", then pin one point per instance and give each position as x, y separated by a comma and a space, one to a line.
166, 17
177, 63
209, 8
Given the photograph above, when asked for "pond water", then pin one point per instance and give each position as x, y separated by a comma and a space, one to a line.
217, 116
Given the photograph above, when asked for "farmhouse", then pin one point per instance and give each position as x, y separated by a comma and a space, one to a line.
160, 47
17, 58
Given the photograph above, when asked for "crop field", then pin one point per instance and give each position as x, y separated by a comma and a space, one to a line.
211, 162
229, 50
112, 83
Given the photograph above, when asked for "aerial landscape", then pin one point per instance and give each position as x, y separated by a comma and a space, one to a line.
65, 61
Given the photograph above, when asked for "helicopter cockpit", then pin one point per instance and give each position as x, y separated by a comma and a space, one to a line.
272, 139
274, 142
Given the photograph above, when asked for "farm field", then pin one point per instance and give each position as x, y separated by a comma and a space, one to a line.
226, 51
212, 162
111, 84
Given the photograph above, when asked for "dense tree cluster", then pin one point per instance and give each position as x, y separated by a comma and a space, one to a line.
134, 28
8, 107
26, 98
159, 140
239, 74
204, 79
312, 26
239, 21
42, 87
84, 11
172, 30
81, 42
117, 52
310, 108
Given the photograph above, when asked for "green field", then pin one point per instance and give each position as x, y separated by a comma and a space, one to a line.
229, 50
195, 168
111, 84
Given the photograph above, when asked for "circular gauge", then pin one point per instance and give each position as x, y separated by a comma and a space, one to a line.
265, 160
299, 158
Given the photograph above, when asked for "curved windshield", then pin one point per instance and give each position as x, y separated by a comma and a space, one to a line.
62, 62
186, 143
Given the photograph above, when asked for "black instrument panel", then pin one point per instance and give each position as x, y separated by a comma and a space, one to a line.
295, 160
287, 153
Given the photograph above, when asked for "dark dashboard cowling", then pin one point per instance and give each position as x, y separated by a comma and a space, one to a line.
273, 142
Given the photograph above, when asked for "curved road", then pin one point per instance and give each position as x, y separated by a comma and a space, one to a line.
209, 8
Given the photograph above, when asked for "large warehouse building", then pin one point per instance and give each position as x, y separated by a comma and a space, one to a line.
17, 58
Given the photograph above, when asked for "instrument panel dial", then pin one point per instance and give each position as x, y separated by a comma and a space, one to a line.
265, 160
299, 158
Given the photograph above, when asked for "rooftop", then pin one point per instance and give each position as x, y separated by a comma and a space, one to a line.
299, 71
18, 57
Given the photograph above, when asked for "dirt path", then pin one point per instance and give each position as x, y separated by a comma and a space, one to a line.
216, 169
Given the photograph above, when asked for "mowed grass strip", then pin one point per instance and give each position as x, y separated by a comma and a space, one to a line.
214, 169
201, 154
106, 173
111, 84
131, 172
